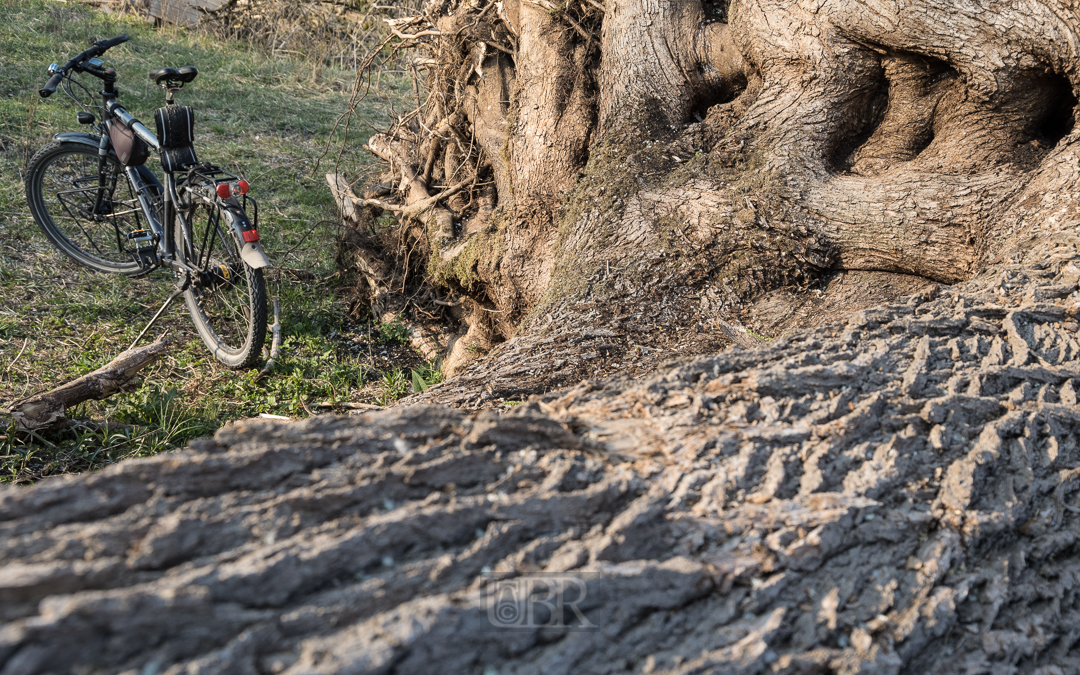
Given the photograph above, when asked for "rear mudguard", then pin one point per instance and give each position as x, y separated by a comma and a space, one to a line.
95, 141
252, 253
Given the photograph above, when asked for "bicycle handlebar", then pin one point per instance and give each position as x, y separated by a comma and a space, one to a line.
50, 87
98, 48
112, 42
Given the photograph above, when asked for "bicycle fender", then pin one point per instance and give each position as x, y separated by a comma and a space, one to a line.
78, 137
85, 139
254, 255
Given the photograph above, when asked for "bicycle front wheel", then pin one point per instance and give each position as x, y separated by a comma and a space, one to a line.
227, 297
62, 190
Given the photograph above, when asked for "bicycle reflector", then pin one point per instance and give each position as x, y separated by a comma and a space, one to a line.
226, 190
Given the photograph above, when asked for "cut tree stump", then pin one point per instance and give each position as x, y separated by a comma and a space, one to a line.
47, 409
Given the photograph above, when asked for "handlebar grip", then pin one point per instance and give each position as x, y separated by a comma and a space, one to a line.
112, 42
50, 87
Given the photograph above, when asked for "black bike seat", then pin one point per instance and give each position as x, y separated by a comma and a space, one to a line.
185, 74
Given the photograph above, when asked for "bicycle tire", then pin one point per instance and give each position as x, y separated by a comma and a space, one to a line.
227, 298
61, 190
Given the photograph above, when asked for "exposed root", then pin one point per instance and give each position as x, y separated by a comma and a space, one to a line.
551, 141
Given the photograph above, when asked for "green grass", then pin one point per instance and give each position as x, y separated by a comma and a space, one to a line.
268, 119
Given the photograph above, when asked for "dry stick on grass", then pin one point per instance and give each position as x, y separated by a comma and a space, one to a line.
275, 344
26, 341
348, 405
47, 409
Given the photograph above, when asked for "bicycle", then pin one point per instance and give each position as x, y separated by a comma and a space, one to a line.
97, 202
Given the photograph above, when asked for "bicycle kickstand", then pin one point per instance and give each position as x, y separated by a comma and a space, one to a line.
156, 316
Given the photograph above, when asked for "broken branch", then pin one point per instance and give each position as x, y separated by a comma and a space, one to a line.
47, 409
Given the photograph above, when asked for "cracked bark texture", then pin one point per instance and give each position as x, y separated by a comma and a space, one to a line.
732, 149
897, 493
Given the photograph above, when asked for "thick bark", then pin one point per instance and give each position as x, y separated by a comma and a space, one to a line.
613, 151
663, 53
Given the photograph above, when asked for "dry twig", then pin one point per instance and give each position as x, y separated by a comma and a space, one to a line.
26, 341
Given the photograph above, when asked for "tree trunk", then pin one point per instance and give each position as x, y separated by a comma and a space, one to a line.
894, 494
581, 171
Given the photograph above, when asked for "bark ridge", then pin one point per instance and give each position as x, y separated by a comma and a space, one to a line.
897, 493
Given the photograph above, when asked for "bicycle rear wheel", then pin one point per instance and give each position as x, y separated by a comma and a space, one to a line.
227, 297
62, 190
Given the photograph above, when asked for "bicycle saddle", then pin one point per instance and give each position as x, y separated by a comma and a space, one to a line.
183, 75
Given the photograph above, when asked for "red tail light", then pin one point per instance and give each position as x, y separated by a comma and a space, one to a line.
226, 190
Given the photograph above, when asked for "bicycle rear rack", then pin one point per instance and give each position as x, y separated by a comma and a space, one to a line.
213, 175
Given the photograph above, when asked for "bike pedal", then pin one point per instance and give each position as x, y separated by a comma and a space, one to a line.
142, 237
145, 254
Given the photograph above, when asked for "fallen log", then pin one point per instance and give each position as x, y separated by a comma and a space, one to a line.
824, 503
47, 409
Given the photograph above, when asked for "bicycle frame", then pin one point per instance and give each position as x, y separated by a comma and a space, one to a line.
161, 228
162, 220
194, 219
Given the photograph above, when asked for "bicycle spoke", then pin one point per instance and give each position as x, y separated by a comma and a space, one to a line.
78, 224
65, 200
224, 295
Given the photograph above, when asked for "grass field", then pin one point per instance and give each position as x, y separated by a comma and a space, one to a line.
269, 119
